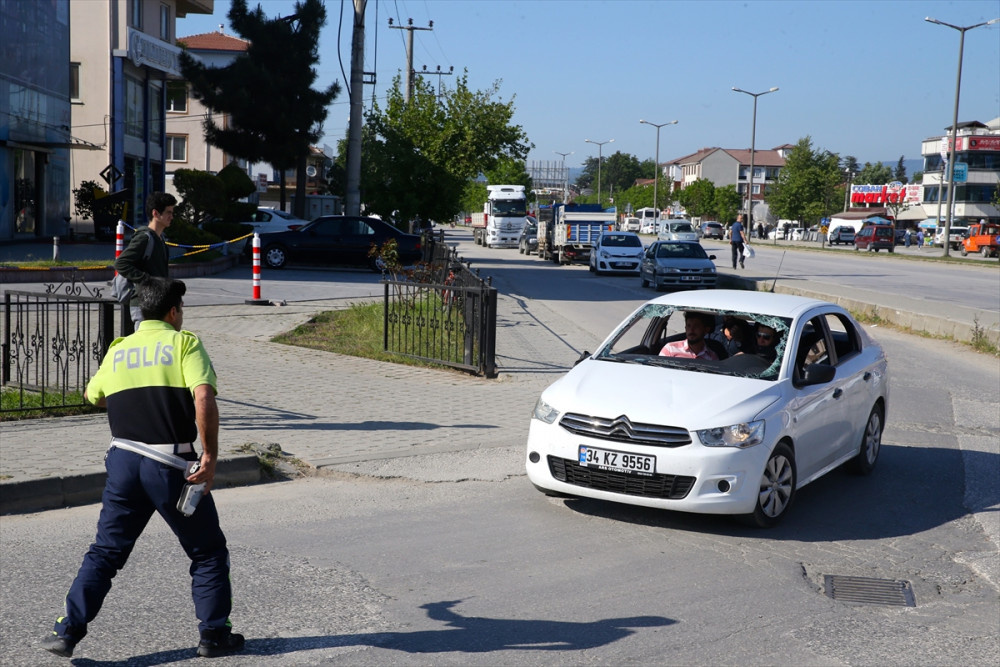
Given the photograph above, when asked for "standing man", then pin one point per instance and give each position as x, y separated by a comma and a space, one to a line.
736, 240
159, 388
146, 254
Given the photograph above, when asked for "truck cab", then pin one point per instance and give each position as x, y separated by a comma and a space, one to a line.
984, 238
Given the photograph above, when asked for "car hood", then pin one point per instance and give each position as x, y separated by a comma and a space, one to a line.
684, 262
621, 252
655, 395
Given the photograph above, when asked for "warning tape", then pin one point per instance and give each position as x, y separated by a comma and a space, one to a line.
199, 248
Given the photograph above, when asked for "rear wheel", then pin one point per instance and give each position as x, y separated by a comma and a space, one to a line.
275, 256
643, 281
985, 251
871, 443
777, 488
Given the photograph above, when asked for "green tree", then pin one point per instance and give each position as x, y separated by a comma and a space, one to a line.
698, 198
273, 114
900, 173
726, 203
510, 172
874, 174
850, 162
807, 186
419, 157
620, 172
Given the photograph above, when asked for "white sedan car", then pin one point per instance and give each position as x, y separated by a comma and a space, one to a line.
618, 252
734, 435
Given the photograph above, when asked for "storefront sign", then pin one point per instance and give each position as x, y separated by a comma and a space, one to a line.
893, 193
152, 52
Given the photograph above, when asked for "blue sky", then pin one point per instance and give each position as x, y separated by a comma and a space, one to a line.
866, 78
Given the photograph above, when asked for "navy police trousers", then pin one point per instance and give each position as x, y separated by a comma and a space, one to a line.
136, 487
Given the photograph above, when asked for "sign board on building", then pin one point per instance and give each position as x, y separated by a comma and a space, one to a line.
960, 172
891, 193
261, 183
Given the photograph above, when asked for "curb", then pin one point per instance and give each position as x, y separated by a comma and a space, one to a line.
35, 495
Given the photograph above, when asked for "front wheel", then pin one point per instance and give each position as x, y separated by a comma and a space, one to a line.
985, 251
871, 443
643, 281
965, 253
275, 256
777, 488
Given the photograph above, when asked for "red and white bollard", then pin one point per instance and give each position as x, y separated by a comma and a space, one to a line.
256, 300
119, 240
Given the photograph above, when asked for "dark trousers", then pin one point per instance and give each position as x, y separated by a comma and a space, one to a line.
136, 487
737, 252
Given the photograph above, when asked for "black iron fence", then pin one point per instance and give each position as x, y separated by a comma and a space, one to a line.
53, 343
445, 313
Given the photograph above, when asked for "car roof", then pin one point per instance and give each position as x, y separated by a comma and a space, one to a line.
767, 303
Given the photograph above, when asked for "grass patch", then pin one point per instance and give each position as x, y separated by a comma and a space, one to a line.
35, 405
356, 331
44, 264
980, 340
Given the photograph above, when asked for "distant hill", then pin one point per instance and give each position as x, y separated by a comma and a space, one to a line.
912, 165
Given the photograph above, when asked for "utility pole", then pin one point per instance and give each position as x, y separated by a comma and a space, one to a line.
409, 28
352, 199
439, 74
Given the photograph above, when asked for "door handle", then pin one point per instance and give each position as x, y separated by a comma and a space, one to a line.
838, 392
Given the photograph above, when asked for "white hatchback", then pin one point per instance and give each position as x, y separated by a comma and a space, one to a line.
616, 252
733, 435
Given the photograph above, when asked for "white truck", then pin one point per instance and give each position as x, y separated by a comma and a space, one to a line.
500, 223
571, 234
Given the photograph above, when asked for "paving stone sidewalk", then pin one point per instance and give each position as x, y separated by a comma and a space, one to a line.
322, 408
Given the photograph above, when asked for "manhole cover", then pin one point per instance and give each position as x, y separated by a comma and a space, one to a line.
869, 591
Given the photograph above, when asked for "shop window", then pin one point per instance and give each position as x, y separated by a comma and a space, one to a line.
165, 23
176, 148
177, 97
134, 116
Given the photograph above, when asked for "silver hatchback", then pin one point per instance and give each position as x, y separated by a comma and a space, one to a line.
677, 230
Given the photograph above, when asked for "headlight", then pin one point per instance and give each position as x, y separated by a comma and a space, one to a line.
545, 412
742, 435
668, 269
604, 254
710, 269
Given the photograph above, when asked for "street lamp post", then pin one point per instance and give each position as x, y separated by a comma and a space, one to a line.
753, 142
954, 123
656, 166
565, 174
600, 145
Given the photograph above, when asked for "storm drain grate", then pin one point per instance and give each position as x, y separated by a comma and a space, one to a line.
869, 591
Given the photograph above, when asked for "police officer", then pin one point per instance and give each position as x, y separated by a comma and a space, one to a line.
159, 388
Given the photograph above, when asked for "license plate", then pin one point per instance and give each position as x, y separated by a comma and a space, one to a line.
690, 277
623, 265
609, 459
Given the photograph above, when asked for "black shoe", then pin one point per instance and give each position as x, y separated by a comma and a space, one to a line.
59, 645
742, 266
214, 648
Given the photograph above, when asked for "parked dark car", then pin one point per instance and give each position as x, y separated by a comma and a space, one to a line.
336, 240
875, 238
527, 243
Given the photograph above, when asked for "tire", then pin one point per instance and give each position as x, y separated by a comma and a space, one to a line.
275, 256
777, 488
643, 281
592, 268
856, 248
985, 251
555, 257
520, 248
965, 253
871, 443
376, 264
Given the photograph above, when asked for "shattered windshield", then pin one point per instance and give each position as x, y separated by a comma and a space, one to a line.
739, 343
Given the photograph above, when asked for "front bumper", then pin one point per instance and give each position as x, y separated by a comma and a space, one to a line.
688, 478
618, 264
686, 280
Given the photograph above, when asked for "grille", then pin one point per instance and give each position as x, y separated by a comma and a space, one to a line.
620, 429
670, 487
868, 590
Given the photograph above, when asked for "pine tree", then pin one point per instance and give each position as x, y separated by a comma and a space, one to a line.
274, 115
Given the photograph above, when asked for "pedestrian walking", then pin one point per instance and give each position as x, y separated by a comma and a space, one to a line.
146, 254
736, 239
159, 388
920, 239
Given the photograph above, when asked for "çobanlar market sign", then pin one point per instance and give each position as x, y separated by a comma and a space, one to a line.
892, 193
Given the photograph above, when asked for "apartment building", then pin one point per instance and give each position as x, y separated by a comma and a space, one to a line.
977, 172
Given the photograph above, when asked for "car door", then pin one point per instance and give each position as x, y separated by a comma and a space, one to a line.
358, 237
647, 268
319, 243
820, 413
856, 376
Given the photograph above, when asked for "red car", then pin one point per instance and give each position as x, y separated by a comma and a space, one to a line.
876, 237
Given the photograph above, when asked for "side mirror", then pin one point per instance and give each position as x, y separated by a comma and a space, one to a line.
816, 374
583, 356
711, 256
